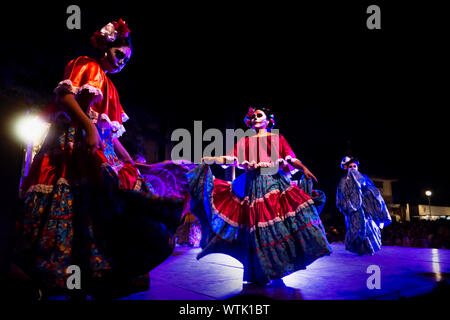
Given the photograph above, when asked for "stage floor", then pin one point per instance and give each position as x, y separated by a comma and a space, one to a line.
404, 272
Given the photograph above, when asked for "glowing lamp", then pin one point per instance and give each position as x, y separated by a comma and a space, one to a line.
30, 129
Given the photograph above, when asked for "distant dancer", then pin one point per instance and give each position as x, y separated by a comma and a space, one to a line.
364, 209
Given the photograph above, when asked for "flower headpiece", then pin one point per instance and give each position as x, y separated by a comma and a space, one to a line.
110, 33
269, 114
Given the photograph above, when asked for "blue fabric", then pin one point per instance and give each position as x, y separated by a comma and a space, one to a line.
112, 234
364, 209
269, 252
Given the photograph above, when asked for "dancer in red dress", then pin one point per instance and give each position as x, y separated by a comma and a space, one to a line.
272, 227
86, 203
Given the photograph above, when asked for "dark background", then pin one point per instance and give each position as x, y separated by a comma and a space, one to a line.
336, 87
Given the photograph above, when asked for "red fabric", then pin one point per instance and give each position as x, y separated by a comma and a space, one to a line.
87, 71
75, 165
262, 149
66, 163
243, 213
128, 176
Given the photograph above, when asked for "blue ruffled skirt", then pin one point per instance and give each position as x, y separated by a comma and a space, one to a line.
272, 227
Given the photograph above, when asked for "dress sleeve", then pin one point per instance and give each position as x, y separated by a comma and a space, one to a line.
81, 74
349, 195
374, 203
286, 151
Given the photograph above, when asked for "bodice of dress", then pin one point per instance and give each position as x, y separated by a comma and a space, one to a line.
256, 152
84, 73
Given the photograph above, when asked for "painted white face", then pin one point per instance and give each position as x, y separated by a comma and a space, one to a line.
259, 120
116, 58
352, 165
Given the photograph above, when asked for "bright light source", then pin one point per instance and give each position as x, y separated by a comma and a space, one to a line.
31, 129
428, 193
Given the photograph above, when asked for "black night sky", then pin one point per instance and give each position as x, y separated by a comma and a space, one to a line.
335, 86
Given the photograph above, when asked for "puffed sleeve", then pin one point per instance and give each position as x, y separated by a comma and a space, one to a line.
80, 74
286, 151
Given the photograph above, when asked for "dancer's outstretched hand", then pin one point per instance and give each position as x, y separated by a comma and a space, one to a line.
207, 160
309, 175
211, 160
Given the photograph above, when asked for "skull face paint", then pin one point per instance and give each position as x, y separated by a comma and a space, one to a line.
116, 58
351, 165
259, 120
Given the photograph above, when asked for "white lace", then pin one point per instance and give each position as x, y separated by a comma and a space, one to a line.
46, 188
67, 86
117, 129
255, 165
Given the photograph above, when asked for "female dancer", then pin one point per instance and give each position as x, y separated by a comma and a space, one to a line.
364, 209
86, 203
272, 227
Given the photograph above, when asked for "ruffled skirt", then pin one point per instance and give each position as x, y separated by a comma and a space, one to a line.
272, 227
95, 212
363, 235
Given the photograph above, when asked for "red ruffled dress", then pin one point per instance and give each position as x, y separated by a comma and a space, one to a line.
270, 225
93, 211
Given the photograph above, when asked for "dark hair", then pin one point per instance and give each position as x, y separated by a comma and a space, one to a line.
120, 42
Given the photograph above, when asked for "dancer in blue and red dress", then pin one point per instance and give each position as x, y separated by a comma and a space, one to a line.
86, 203
270, 225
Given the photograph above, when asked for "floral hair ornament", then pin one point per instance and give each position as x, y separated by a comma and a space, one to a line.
248, 116
110, 33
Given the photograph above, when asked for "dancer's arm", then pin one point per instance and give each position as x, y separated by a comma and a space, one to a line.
75, 108
122, 153
300, 166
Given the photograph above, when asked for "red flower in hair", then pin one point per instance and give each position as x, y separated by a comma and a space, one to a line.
248, 116
250, 112
122, 28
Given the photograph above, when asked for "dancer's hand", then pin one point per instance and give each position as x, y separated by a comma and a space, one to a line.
92, 139
265, 165
309, 175
75, 108
209, 160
